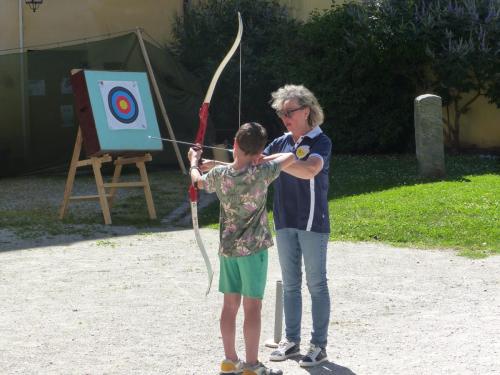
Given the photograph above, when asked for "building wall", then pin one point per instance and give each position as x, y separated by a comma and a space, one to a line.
480, 127
301, 9
63, 20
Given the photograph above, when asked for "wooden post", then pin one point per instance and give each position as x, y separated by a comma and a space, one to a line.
116, 178
71, 174
159, 99
278, 317
147, 190
101, 191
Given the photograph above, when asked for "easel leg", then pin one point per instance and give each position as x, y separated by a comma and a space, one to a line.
147, 189
116, 178
101, 191
71, 174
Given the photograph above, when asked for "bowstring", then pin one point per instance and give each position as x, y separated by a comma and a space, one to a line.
239, 94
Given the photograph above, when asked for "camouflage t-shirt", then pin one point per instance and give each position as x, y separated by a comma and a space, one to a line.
244, 228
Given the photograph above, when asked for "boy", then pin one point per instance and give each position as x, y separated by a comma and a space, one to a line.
244, 239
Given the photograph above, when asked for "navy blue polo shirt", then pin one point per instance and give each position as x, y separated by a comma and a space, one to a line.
299, 203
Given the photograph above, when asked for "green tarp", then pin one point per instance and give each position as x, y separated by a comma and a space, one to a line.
45, 137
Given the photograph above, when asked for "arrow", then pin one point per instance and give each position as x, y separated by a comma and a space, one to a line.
190, 144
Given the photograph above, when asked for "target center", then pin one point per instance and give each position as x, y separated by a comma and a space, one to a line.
123, 105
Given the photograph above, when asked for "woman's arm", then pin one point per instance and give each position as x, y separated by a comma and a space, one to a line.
285, 159
305, 169
266, 158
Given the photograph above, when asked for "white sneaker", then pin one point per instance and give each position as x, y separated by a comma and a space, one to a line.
286, 349
314, 356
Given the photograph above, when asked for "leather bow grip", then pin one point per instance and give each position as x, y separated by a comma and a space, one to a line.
193, 193
200, 135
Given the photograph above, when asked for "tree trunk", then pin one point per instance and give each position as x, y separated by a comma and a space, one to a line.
455, 129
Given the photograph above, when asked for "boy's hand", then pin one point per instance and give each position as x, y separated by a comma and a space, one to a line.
194, 154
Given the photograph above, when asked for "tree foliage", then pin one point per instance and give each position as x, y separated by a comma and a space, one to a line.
204, 34
358, 65
462, 42
366, 61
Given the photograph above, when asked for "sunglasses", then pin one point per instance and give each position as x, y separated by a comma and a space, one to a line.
288, 113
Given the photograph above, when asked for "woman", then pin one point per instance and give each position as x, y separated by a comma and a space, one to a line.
301, 219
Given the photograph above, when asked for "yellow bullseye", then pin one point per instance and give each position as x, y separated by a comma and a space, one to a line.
123, 105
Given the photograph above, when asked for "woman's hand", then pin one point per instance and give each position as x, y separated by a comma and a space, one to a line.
259, 160
207, 164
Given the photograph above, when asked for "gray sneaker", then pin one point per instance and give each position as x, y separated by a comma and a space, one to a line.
286, 349
314, 356
260, 369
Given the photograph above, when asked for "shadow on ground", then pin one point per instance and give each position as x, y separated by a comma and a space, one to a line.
354, 175
9, 241
327, 368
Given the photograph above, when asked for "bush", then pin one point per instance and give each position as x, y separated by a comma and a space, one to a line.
356, 58
462, 43
365, 60
203, 37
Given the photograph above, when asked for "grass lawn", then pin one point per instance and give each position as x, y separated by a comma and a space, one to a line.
372, 198
381, 198
29, 205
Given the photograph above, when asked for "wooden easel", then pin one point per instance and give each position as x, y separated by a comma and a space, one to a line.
106, 199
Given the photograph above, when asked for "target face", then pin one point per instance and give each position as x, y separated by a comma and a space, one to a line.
122, 115
122, 105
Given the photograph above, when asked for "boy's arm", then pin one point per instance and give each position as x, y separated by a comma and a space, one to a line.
207, 164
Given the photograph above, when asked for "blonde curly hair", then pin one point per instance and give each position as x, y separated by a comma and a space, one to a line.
304, 97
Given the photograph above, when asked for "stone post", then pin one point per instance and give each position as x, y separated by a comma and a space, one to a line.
429, 136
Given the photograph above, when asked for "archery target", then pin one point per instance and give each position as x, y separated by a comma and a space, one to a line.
122, 105
115, 111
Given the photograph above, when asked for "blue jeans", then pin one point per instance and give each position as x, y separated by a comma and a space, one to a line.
293, 244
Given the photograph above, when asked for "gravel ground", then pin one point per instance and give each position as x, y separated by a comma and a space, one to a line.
134, 303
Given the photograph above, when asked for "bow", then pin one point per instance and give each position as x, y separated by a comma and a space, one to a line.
200, 137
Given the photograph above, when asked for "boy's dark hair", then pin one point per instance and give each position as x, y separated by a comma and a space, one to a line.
251, 138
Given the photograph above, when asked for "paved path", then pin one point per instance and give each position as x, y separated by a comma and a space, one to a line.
133, 303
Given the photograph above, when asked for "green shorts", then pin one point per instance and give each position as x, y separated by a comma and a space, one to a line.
245, 275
